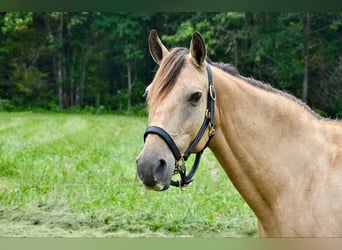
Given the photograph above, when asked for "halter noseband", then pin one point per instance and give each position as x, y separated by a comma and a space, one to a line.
181, 159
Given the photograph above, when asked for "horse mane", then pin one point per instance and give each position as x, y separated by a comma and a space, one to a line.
228, 68
171, 66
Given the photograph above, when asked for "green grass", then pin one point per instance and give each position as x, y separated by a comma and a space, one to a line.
75, 175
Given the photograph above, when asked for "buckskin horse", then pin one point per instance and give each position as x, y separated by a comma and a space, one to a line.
284, 159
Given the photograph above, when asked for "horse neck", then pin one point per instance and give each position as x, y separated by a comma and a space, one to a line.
257, 133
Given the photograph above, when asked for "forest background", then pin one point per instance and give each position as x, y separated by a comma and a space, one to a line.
99, 61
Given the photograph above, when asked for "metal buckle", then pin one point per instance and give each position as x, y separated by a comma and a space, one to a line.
179, 166
211, 130
212, 92
207, 113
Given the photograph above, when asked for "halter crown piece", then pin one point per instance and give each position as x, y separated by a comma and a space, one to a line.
181, 158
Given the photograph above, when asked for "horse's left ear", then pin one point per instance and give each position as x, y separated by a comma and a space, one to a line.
157, 49
197, 49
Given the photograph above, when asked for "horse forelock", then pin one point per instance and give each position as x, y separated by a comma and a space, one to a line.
166, 76
168, 72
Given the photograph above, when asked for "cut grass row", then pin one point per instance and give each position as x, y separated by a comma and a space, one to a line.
75, 175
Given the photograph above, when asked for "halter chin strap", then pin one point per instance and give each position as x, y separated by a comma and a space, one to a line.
181, 158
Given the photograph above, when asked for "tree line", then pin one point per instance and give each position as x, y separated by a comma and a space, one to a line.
100, 60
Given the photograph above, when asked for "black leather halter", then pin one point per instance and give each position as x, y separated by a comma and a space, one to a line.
181, 159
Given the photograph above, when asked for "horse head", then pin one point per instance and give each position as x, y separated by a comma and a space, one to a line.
177, 106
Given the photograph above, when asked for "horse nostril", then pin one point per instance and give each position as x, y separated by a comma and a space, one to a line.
160, 169
162, 163
152, 171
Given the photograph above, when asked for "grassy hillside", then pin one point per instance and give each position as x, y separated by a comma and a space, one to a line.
75, 175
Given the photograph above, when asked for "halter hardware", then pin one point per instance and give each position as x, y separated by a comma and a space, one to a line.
211, 130
179, 166
181, 158
212, 92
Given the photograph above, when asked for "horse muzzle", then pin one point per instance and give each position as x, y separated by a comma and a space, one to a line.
155, 171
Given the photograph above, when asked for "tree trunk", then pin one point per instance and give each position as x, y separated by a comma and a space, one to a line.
83, 77
60, 83
235, 48
130, 85
56, 59
72, 80
98, 99
60, 64
77, 96
306, 27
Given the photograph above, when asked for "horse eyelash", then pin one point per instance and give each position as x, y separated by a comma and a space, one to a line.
195, 97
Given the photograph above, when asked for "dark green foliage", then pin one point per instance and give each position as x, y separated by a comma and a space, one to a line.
75, 60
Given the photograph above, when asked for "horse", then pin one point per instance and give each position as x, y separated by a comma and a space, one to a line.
283, 158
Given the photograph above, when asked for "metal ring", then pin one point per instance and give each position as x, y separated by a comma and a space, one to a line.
212, 92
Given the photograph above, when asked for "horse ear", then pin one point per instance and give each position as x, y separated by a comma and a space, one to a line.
157, 48
197, 49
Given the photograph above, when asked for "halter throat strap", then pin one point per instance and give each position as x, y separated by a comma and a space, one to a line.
181, 158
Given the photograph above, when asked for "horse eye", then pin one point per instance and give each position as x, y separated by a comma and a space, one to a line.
195, 97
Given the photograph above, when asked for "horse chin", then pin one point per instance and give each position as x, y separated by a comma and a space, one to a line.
158, 187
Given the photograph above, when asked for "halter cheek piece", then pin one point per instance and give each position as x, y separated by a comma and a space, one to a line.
181, 159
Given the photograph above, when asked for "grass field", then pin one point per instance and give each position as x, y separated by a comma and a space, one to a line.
71, 175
